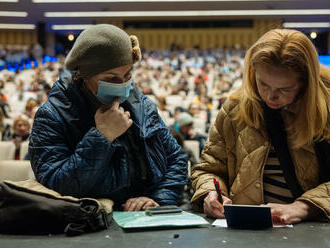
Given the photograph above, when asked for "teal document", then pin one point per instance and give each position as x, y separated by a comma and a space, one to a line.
140, 220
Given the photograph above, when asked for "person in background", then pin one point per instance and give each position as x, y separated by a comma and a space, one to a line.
164, 113
30, 106
21, 132
4, 128
270, 142
177, 111
185, 124
99, 136
179, 138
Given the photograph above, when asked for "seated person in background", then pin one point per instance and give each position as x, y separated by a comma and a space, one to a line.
21, 132
177, 111
195, 111
270, 142
4, 128
164, 113
30, 106
5, 108
99, 136
185, 123
179, 138
3, 97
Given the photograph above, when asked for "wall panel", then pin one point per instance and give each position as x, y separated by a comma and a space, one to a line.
204, 38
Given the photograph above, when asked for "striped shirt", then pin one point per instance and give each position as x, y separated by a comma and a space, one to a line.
276, 189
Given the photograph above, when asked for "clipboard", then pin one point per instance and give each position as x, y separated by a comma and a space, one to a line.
248, 216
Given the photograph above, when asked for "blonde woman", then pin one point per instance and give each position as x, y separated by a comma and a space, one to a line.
270, 142
21, 132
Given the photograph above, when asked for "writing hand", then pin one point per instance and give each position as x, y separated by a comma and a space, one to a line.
212, 207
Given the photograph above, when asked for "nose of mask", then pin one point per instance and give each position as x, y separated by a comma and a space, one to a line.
107, 92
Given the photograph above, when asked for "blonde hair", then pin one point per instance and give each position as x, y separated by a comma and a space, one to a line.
23, 118
289, 49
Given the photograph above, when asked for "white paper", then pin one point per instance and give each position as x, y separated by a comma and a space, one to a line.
220, 223
290, 226
223, 223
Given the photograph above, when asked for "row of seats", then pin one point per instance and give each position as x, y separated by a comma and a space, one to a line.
18, 170
7, 150
194, 146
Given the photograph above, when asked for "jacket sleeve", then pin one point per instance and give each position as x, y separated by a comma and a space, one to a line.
169, 190
71, 172
319, 197
213, 163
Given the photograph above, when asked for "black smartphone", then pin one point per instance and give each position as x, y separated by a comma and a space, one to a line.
164, 210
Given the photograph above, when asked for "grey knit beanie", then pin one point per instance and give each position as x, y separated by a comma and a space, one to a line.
100, 48
184, 119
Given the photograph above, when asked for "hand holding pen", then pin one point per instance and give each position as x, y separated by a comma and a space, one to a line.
218, 190
213, 202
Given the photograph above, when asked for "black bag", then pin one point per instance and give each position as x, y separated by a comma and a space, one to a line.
24, 211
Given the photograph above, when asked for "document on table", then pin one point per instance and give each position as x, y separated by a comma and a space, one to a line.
139, 219
223, 223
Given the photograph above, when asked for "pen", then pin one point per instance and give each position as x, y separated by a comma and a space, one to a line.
217, 188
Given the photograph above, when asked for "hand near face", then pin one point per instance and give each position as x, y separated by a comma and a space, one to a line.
192, 133
139, 203
292, 213
114, 121
212, 207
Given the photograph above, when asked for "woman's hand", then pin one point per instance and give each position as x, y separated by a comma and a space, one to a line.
212, 207
114, 121
292, 213
139, 203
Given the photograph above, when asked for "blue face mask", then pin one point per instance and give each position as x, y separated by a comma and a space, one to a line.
107, 92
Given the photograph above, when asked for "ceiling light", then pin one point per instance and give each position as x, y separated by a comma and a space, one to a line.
13, 13
282, 12
70, 37
313, 35
8, 1
71, 27
306, 24
16, 26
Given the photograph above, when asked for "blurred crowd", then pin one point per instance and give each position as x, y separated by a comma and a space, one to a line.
188, 86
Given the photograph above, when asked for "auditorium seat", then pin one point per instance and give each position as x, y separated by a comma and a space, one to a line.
194, 146
15, 170
23, 149
7, 150
199, 125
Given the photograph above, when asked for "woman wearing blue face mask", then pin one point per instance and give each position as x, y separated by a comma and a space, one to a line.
99, 136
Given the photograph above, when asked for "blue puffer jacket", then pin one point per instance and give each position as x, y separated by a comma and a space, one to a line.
68, 154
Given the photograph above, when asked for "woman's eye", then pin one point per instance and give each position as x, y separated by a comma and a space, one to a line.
285, 90
128, 77
263, 85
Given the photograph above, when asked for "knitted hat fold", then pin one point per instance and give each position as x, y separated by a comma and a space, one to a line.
100, 48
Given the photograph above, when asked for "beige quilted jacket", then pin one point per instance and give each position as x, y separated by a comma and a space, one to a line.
236, 155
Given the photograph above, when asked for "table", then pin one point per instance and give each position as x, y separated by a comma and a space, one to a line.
308, 234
